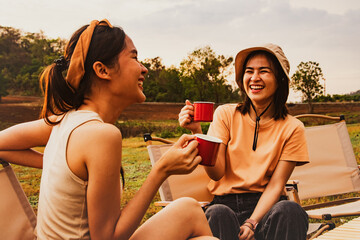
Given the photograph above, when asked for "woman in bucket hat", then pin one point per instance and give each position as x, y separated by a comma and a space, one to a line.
261, 146
80, 193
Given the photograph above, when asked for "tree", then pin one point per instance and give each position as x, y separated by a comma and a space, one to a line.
203, 75
3, 86
22, 59
12, 56
162, 84
306, 79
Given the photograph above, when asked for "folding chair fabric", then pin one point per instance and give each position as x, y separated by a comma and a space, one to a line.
349, 209
313, 227
332, 168
17, 218
347, 231
190, 185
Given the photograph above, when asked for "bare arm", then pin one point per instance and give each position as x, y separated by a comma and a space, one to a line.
103, 161
272, 192
28, 158
16, 143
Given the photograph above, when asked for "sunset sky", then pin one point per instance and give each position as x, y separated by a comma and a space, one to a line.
325, 31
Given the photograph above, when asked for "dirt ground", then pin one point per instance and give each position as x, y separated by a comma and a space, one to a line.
19, 109
14, 109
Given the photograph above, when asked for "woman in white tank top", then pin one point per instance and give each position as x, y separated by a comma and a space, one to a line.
80, 194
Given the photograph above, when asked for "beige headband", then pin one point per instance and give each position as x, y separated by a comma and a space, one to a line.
76, 69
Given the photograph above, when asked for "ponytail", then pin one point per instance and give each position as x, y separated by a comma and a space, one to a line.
58, 94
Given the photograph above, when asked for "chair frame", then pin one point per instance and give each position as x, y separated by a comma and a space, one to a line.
26, 217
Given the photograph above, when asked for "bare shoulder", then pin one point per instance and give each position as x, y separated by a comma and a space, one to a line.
94, 147
96, 138
95, 130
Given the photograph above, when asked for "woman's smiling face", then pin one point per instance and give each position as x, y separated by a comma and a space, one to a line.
129, 74
259, 80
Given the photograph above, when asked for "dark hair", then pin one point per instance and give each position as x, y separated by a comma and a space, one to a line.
281, 93
59, 97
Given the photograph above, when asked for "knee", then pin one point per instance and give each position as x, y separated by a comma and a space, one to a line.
187, 206
289, 210
287, 207
186, 203
285, 220
223, 221
218, 211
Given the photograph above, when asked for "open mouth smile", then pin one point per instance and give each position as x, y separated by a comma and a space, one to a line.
256, 87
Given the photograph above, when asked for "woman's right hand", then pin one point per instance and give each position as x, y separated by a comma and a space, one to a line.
181, 158
186, 118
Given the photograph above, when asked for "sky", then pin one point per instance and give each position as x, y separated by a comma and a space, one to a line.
324, 31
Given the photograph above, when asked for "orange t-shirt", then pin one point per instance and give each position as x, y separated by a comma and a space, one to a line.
247, 170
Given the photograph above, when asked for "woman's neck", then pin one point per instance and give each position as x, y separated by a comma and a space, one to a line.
109, 110
267, 110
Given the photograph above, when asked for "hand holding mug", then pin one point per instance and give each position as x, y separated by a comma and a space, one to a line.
182, 157
186, 118
191, 115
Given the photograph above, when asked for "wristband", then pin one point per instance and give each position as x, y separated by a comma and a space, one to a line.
252, 222
249, 227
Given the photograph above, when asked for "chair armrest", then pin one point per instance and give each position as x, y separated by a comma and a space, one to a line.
148, 139
4, 163
292, 190
331, 204
323, 227
292, 182
340, 118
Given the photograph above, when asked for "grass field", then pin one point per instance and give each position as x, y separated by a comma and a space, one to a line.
137, 166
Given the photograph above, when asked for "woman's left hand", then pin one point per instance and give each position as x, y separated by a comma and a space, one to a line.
246, 232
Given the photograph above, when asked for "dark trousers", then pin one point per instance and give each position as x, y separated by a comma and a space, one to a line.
285, 220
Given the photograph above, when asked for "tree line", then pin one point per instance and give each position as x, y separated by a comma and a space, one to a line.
22, 59
201, 76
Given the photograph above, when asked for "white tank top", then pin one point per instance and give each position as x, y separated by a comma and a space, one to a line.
62, 209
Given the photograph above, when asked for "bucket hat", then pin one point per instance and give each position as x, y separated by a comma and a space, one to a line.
269, 47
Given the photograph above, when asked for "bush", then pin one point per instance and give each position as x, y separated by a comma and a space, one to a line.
167, 134
337, 98
135, 128
162, 129
205, 127
180, 131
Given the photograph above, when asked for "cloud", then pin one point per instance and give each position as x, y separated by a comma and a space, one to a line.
325, 31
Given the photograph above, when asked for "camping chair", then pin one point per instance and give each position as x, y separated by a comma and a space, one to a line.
190, 185
332, 170
17, 218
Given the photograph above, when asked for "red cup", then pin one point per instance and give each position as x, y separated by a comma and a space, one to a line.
203, 111
208, 149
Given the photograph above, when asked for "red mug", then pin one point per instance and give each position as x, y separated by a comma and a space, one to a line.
203, 111
208, 148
